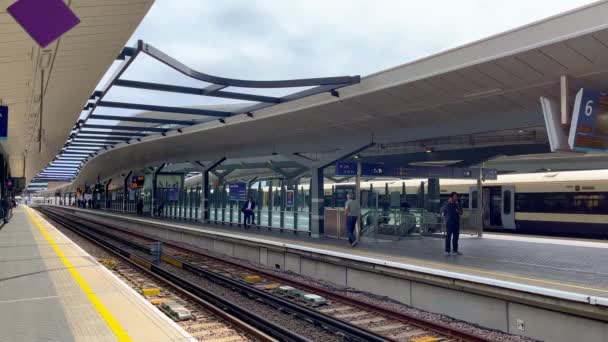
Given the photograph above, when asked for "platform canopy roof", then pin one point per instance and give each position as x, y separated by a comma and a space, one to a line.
72, 67
487, 86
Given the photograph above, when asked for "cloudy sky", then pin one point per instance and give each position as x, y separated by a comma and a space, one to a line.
272, 39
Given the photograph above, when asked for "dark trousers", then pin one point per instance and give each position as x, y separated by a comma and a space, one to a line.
249, 217
351, 222
452, 233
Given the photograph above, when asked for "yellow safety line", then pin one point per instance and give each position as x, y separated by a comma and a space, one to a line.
107, 316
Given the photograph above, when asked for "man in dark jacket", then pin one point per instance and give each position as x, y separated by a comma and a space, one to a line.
248, 212
452, 211
6, 207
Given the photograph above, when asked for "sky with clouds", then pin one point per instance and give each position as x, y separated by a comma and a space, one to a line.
272, 39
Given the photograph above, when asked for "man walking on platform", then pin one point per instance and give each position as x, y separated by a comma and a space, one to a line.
351, 211
452, 211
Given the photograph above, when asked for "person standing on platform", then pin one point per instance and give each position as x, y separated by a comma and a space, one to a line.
452, 212
6, 208
351, 213
140, 207
248, 212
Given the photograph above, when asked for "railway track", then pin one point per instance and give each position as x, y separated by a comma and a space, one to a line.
204, 324
214, 319
379, 324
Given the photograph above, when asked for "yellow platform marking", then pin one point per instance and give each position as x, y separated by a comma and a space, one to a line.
107, 316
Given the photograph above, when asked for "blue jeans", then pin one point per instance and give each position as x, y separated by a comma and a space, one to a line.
351, 222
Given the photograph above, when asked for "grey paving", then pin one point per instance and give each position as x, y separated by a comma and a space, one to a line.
30, 309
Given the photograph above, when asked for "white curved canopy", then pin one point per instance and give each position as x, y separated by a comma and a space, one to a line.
490, 85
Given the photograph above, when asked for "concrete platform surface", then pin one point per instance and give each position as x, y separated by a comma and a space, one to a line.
568, 265
52, 290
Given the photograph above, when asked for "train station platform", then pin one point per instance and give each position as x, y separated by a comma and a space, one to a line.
52, 290
502, 281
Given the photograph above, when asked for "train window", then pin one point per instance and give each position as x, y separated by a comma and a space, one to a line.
506, 202
562, 202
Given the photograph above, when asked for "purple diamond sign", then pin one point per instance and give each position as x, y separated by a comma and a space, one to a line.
44, 20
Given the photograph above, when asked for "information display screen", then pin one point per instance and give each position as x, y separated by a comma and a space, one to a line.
367, 169
589, 128
137, 182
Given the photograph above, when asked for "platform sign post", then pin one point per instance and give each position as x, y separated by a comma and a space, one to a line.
589, 127
3, 122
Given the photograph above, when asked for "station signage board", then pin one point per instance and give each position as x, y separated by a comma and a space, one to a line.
137, 182
367, 169
173, 194
589, 127
237, 191
415, 171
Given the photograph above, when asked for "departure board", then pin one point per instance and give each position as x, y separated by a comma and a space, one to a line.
589, 128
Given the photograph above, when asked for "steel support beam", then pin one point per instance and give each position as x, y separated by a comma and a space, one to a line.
153, 197
309, 82
205, 215
139, 119
164, 109
564, 103
213, 92
129, 128
126, 135
125, 190
317, 206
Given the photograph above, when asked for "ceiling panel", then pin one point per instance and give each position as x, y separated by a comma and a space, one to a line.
111, 10
485, 81
528, 102
502, 76
567, 56
98, 30
462, 84
518, 68
590, 47
409, 93
379, 103
542, 63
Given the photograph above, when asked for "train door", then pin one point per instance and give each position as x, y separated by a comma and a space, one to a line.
508, 207
487, 209
495, 203
473, 197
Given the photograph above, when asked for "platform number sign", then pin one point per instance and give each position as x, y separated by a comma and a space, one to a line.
589, 128
3, 122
